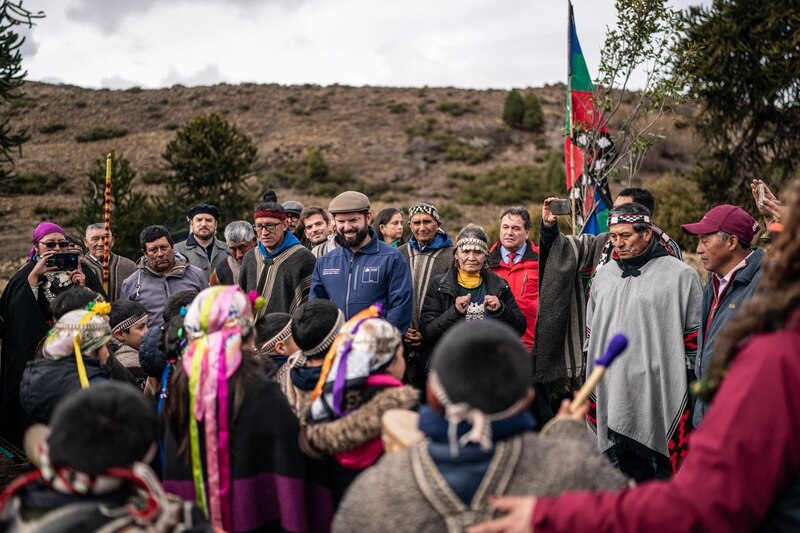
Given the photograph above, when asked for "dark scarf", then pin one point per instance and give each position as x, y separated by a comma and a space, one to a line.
305, 377
434, 425
632, 267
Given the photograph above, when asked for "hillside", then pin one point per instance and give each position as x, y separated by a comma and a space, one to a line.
411, 143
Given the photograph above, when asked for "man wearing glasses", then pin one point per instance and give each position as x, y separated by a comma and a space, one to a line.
279, 267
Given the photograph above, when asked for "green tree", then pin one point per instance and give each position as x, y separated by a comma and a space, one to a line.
678, 201
641, 42
747, 80
533, 118
12, 76
513, 109
207, 160
130, 210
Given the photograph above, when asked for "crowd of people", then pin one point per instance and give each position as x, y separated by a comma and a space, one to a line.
256, 383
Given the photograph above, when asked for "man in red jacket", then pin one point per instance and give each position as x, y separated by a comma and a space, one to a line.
516, 260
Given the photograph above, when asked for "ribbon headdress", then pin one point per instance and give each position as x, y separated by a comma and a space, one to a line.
76, 332
214, 324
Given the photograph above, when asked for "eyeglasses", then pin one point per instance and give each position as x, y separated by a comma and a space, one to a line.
270, 227
292, 216
52, 244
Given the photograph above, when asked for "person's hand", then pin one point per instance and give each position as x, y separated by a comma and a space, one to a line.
772, 207
548, 217
519, 512
579, 415
492, 303
77, 277
413, 338
462, 302
40, 268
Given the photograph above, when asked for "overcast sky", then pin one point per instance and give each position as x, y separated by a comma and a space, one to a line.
462, 43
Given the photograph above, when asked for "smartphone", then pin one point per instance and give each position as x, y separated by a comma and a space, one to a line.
65, 261
560, 207
760, 188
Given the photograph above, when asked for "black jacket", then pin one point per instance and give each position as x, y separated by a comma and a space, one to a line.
439, 312
46, 382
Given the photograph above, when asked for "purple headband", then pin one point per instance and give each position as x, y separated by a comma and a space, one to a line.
44, 228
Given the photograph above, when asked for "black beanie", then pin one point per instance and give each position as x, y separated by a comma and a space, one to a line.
313, 324
483, 363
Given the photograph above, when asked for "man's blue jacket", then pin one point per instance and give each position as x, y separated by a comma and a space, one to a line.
377, 273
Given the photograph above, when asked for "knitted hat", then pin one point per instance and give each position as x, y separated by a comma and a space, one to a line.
424, 207
315, 325
349, 202
271, 329
480, 372
366, 345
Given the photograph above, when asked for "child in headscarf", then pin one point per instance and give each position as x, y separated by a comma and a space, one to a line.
361, 379
231, 442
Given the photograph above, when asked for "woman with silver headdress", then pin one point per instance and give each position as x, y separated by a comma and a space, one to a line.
468, 291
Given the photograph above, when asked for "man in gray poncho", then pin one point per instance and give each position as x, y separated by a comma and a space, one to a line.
640, 412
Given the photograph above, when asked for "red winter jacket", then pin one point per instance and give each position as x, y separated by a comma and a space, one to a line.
743, 467
523, 278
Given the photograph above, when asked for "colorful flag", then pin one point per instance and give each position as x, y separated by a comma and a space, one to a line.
583, 122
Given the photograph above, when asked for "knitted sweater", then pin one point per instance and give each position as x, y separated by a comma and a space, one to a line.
406, 489
283, 279
425, 265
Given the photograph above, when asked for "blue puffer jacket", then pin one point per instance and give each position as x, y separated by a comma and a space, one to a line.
377, 273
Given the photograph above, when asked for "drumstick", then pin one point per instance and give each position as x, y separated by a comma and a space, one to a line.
616, 346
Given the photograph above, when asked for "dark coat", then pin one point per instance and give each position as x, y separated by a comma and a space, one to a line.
46, 382
439, 312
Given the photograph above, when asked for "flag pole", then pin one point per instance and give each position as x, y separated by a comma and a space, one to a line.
107, 224
569, 114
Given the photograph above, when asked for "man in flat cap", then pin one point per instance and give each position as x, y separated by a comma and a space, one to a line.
202, 248
364, 270
734, 267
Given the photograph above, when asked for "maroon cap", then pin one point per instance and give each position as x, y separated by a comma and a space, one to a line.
728, 218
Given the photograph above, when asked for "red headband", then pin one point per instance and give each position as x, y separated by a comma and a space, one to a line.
280, 215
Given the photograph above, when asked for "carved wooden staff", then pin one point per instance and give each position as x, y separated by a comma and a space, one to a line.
107, 223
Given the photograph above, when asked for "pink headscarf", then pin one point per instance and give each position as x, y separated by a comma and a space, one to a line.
44, 228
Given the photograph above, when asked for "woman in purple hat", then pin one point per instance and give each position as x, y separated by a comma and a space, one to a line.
25, 314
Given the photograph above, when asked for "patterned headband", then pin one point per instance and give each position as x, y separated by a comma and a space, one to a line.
470, 243
422, 207
269, 213
329, 338
628, 219
129, 322
282, 335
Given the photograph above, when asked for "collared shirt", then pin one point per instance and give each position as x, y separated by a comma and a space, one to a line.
504, 253
722, 282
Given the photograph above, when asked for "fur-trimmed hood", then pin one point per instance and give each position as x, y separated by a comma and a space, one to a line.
353, 430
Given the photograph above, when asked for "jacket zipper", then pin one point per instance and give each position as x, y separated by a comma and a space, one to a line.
347, 296
524, 281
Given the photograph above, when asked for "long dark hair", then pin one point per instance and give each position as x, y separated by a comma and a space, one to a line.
382, 218
177, 407
776, 298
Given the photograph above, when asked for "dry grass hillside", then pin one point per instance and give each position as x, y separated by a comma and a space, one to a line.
411, 143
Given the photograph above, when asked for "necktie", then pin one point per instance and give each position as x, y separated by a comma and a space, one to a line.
511, 256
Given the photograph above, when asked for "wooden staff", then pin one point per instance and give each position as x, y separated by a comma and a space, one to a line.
615, 347
107, 223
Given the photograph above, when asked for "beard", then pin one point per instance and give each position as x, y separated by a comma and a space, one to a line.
351, 242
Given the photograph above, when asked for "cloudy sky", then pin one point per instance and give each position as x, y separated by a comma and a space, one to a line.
461, 43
